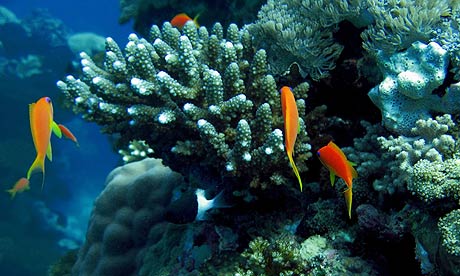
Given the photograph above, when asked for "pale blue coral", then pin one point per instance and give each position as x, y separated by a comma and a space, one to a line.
191, 94
406, 92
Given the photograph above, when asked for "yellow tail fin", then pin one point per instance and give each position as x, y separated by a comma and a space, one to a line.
348, 198
38, 164
296, 172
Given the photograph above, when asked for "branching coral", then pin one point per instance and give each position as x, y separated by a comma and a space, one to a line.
194, 98
429, 159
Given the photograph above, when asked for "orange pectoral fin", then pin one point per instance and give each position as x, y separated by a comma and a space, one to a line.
68, 134
348, 198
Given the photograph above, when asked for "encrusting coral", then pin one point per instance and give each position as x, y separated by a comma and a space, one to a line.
284, 255
194, 98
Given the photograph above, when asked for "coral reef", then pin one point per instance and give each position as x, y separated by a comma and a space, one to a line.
424, 164
132, 204
194, 98
395, 25
284, 255
428, 161
301, 32
406, 92
30, 47
131, 233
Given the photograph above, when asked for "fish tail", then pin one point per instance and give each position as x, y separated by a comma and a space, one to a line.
38, 164
296, 172
12, 192
348, 198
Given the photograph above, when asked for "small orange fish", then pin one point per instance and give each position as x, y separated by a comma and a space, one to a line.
67, 133
179, 20
41, 127
20, 186
335, 160
291, 126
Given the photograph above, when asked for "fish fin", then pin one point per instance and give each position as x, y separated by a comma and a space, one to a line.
12, 192
332, 178
195, 20
353, 164
337, 149
294, 168
37, 165
68, 134
298, 128
348, 198
49, 152
56, 129
354, 173
31, 108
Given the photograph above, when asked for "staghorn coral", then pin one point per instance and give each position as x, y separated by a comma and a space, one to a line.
194, 98
137, 150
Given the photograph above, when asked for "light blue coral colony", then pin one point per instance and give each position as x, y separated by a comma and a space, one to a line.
193, 98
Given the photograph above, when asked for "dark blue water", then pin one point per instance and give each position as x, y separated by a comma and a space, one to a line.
38, 226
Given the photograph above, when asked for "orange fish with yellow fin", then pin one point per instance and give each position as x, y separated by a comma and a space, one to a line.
20, 186
335, 160
291, 126
41, 127
181, 19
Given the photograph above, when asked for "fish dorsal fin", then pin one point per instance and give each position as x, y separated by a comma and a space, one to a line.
31, 108
49, 152
337, 149
56, 130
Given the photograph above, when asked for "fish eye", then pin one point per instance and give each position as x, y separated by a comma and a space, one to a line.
48, 99
318, 154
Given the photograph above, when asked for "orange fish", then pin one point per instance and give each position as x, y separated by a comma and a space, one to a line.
179, 20
21, 185
41, 127
291, 126
335, 160
67, 133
